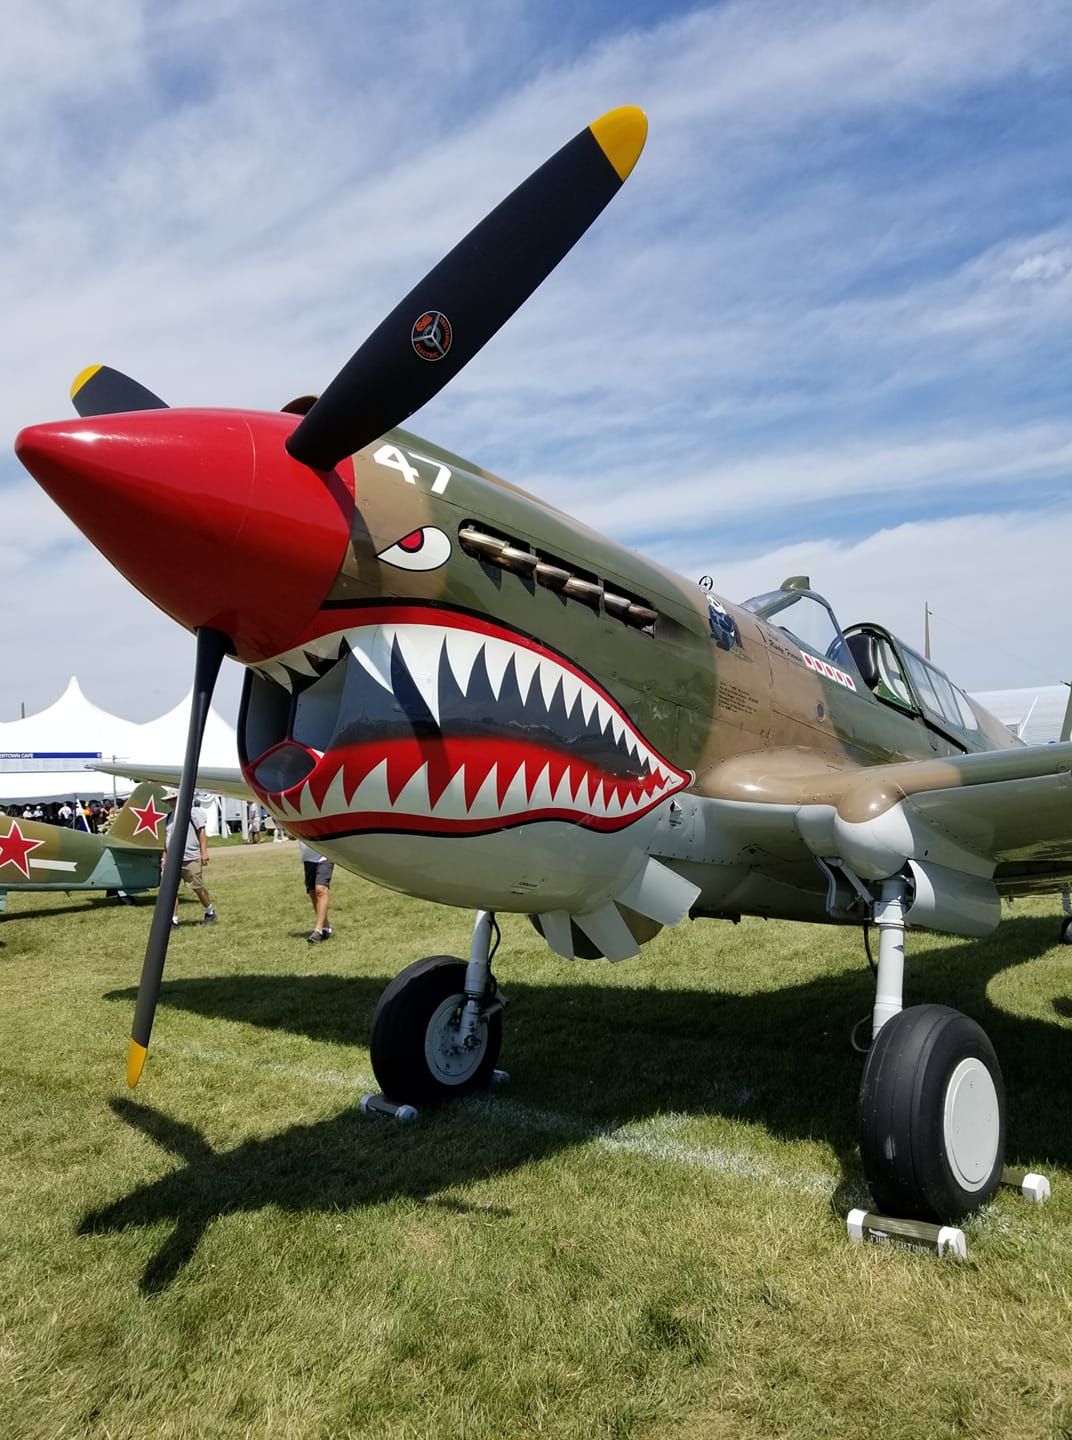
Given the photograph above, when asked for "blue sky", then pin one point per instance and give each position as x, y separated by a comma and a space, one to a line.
823, 328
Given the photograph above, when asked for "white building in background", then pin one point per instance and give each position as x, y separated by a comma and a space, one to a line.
1036, 713
49, 756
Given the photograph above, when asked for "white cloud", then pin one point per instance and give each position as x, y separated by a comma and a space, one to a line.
833, 288
997, 584
1051, 265
691, 489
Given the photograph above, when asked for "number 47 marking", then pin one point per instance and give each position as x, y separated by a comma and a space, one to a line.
395, 459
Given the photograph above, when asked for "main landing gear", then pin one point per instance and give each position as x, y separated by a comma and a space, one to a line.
932, 1100
437, 1030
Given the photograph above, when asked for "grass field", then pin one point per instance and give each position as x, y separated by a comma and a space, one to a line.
640, 1236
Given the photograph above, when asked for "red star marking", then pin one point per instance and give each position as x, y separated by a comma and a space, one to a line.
148, 819
14, 848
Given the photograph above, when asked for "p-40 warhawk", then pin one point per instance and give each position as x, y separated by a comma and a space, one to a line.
459, 692
35, 856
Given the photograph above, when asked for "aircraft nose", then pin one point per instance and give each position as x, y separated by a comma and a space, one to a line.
205, 513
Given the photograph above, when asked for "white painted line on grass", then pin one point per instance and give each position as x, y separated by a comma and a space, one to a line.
653, 1140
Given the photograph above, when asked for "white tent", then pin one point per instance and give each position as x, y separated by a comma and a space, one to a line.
45, 756
163, 741
1035, 713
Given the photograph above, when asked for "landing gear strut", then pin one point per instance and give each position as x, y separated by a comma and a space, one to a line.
932, 1100
437, 1030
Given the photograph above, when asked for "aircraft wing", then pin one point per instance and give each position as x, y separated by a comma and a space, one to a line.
217, 779
1002, 815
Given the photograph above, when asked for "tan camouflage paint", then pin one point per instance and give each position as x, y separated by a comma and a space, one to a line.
724, 714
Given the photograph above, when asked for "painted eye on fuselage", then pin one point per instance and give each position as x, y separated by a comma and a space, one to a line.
424, 549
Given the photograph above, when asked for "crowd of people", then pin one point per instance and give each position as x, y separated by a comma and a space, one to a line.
96, 815
92, 815
316, 869
261, 822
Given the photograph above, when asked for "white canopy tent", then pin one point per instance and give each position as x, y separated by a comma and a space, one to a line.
1035, 713
48, 756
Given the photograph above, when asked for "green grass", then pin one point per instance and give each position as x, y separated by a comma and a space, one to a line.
639, 1237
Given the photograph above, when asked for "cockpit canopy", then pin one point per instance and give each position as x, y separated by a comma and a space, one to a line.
891, 671
804, 616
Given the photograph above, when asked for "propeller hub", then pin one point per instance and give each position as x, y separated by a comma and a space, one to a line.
205, 513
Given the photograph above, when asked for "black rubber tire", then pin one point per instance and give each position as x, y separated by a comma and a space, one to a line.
1065, 935
400, 1027
902, 1106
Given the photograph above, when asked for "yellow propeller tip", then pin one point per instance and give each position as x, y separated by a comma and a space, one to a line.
82, 378
135, 1062
621, 134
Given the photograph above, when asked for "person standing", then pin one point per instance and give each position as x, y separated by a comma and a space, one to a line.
194, 857
318, 872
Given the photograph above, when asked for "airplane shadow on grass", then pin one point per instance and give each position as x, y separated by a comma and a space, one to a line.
597, 1057
78, 906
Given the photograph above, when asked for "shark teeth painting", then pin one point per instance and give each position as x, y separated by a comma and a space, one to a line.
433, 721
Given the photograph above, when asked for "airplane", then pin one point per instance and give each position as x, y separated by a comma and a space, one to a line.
36, 856
461, 693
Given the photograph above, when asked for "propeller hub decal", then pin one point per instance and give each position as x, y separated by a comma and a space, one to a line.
432, 335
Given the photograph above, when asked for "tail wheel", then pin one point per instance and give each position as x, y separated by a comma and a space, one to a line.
417, 1053
932, 1115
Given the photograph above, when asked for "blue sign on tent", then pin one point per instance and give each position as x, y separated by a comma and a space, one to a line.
50, 755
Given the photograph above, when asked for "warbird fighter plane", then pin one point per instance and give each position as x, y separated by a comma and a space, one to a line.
35, 856
457, 691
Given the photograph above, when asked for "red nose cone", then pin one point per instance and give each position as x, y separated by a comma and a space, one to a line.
205, 512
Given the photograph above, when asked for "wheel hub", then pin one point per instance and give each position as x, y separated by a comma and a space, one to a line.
971, 1123
450, 1059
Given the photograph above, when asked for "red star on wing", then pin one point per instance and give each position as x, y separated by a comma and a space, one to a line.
148, 819
14, 848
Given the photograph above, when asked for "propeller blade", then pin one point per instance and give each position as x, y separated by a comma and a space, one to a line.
100, 390
211, 648
459, 305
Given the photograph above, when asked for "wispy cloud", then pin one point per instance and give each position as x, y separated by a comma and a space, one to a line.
836, 291
997, 584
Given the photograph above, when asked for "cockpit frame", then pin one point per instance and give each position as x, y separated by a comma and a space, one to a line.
888, 670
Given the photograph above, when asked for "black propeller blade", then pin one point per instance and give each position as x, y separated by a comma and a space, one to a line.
300, 406
459, 305
100, 390
212, 646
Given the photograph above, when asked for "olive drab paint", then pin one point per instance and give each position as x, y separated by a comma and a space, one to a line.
38, 856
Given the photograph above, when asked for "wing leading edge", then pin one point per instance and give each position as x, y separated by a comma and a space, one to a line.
218, 779
969, 828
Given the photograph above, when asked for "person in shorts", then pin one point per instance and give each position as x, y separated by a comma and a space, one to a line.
318, 872
194, 857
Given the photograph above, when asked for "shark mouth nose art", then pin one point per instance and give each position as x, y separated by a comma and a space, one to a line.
436, 722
